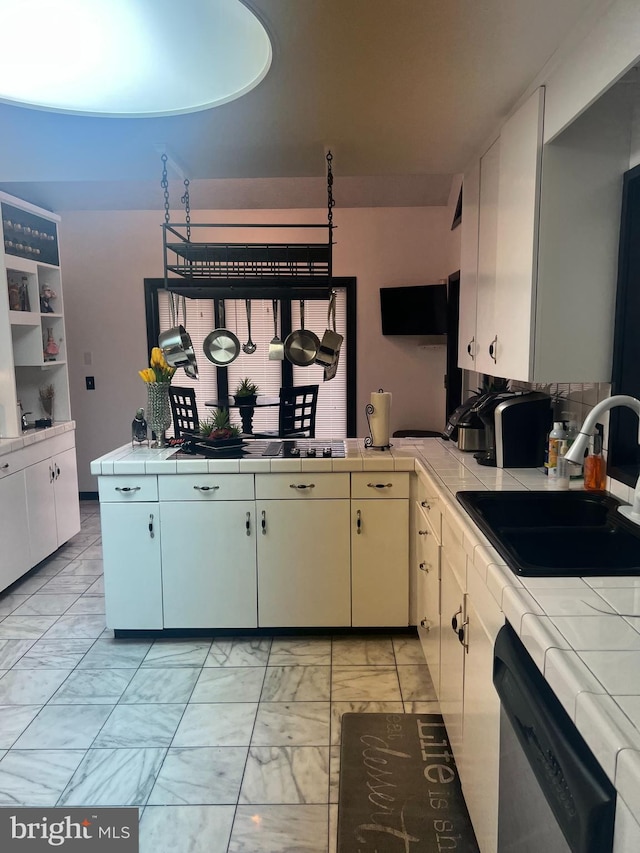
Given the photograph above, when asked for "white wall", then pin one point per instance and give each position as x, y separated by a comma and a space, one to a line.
106, 255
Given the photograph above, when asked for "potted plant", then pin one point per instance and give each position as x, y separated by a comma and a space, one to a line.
219, 427
246, 392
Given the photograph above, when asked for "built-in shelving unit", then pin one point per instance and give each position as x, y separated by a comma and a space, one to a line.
33, 349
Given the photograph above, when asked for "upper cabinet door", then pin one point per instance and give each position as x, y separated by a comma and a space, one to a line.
467, 344
487, 233
517, 239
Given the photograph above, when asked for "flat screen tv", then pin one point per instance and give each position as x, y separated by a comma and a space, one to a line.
419, 310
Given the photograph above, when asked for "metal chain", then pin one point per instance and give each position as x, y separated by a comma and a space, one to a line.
164, 183
330, 200
187, 207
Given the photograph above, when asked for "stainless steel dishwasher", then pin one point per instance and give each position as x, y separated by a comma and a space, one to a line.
553, 794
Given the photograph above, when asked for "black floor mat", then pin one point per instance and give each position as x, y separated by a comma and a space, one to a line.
399, 787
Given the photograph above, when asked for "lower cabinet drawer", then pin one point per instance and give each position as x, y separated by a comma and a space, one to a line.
206, 487
301, 486
121, 489
380, 484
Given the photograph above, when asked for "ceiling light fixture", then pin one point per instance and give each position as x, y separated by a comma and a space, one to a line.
129, 58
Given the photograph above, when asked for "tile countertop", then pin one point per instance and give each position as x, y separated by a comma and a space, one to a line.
33, 436
583, 633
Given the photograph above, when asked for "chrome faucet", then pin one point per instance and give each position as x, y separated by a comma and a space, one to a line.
588, 428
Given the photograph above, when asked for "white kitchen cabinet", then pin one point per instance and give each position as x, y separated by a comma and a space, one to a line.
209, 564
14, 527
52, 503
303, 553
427, 559
478, 757
379, 549
131, 539
467, 345
486, 261
452, 654
380, 563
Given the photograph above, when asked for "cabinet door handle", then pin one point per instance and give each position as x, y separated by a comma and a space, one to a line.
462, 635
379, 485
57, 471
247, 524
51, 475
425, 623
425, 567
127, 489
4, 467
206, 488
492, 349
358, 522
470, 348
425, 505
423, 532
302, 486
151, 533
264, 522
454, 621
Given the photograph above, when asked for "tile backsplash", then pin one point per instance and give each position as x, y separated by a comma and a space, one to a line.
571, 402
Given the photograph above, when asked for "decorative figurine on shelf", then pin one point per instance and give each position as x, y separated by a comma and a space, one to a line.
51, 348
14, 296
139, 429
25, 304
46, 295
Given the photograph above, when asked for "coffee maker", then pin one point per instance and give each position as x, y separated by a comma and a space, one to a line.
465, 427
516, 426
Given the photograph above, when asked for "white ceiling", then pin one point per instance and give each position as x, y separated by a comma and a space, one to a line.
403, 91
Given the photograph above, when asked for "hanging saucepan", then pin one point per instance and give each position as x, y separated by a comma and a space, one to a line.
221, 346
176, 344
331, 342
301, 346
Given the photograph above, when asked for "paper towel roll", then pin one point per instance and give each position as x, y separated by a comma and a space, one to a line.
380, 418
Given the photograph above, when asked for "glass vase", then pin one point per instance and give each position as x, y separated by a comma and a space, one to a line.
158, 410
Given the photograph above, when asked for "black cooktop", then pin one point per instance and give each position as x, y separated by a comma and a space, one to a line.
288, 448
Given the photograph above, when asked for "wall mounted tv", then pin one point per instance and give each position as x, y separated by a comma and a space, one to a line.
419, 310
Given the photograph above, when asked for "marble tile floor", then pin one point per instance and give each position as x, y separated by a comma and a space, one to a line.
225, 745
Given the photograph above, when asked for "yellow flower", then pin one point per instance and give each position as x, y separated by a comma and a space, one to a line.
158, 359
160, 371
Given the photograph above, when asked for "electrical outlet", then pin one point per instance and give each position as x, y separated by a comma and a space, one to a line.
91, 383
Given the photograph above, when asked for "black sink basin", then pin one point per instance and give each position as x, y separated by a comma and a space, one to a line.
557, 533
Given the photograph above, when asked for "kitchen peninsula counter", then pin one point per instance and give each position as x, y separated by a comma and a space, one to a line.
590, 659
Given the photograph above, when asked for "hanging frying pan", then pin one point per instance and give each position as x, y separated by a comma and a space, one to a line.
221, 346
176, 344
301, 346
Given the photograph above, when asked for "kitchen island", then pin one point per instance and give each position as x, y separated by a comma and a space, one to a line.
259, 542
590, 659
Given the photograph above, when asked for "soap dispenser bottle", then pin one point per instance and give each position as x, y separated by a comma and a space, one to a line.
556, 435
595, 472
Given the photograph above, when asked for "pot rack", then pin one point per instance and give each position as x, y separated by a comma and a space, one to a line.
211, 267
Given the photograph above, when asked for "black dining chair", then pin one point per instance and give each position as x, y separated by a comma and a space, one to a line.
183, 411
296, 414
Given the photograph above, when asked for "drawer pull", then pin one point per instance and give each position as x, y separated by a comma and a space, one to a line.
425, 505
127, 489
358, 522
264, 522
151, 533
379, 485
247, 524
302, 486
206, 488
423, 532
4, 467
